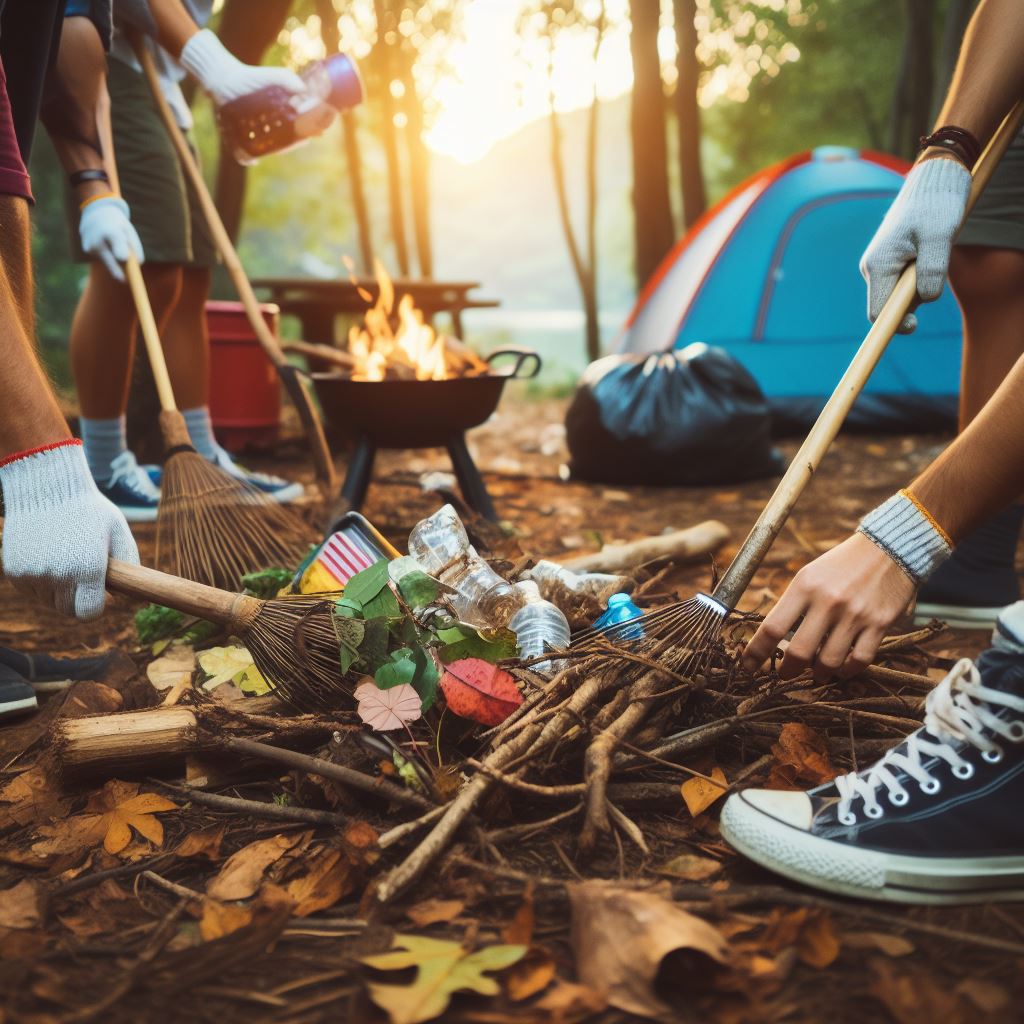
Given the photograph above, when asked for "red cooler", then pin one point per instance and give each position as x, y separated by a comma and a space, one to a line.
245, 393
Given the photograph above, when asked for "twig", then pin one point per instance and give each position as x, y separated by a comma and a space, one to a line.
181, 891
277, 812
630, 827
529, 828
550, 792
328, 769
892, 676
407, 828
83, 882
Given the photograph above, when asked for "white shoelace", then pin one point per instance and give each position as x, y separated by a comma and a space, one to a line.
127, 470
228, 464
958, 710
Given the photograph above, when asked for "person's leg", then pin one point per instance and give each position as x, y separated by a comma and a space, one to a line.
981, 578
186, 340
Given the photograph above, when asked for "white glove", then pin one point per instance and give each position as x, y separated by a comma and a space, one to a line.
225, 77
106, 231
920, 226
59, 530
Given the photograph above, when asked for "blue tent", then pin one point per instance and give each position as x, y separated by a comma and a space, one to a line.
771, 275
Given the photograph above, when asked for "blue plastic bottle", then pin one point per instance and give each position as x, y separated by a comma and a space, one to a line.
621, 610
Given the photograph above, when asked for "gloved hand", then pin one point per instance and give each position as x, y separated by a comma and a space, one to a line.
920, 225
106, 231
225, 77
59, 530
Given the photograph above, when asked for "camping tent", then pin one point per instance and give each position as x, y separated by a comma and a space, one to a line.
771, 275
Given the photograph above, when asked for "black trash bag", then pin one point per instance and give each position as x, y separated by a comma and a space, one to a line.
689, 416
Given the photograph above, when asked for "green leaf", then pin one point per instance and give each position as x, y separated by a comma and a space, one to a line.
155, 622
418, 589
463, 641
426, 679
373, 651
350, 633
267, 582
442, 968
345, 607
394, 673
199, 631
371, 590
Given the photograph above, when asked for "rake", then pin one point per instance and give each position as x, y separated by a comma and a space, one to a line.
292, 640
679, 636
292, 380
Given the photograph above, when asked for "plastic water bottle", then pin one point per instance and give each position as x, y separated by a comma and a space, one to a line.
621, 610
441, 546
538, 625
550, 576
274, 119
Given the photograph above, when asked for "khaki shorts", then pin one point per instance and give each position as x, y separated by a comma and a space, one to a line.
164, 207
997, 219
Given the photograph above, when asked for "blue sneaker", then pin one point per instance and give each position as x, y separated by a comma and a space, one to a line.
154, 472
131, 490
280, 490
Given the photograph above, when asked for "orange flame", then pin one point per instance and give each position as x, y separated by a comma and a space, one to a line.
413, 344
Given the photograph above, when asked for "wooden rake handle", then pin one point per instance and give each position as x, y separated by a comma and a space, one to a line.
235, 611
295, 386
806, 461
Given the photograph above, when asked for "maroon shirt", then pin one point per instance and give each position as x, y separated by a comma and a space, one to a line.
14, 180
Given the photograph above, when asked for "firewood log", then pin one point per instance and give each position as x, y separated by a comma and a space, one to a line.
681, 545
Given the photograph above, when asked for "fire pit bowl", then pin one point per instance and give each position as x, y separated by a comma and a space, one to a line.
418, 414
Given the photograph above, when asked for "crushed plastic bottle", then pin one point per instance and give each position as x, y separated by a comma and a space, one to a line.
621, 610
550, 577
441, 546
538, 625
274, 119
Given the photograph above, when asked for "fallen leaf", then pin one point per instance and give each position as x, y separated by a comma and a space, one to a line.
243, 871
434, 912
177, 662
699, 794
621, 936
232, 664
567, 1000
329, 878
202, 843
442, 968
691, 866
804, 750
32, 797
19, 906
220, 919
911, 995
384, 710
809, 932
987, 996
531, 975
883, 942
520, 929
480, 691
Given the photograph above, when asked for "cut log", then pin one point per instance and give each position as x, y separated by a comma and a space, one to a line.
681, 545
316, 350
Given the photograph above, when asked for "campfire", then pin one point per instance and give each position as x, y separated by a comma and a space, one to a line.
396, 344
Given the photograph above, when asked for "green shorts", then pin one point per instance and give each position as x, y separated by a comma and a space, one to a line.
997, 219
164, 207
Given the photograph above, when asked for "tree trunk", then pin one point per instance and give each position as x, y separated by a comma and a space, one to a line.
653, 232
691, 170
419, 170
385, 26
912, 101
247, 28
350, 128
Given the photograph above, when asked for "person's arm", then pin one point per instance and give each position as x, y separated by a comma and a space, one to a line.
850, 595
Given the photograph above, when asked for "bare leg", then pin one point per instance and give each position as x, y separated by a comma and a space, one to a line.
989, 284
103, 335
186, 341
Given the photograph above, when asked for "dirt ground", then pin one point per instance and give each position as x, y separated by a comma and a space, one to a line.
128, 936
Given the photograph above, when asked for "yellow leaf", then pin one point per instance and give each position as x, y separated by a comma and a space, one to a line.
221, 919
224, 664
700, 793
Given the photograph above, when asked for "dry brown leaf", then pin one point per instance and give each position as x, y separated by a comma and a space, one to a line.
801, 748
569, 1000
987, 996
818, 945
32, 797
360, 836
19, 906
243, 871
691, 866
883, 942
519, 931
220, 919
620, 938
531, 975
435, 911
203, 842
911, 996
699, 794
329, 878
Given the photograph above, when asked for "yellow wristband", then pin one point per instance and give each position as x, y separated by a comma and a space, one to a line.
93, 199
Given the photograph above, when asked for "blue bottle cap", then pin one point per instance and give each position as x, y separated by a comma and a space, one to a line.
620, 609
346, 82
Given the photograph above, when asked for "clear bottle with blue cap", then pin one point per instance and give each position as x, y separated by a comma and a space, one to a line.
615, 621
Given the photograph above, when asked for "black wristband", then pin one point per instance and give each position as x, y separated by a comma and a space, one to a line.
958, 141
92, 174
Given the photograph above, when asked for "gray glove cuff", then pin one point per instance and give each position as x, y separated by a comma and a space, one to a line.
908, 534
45, 477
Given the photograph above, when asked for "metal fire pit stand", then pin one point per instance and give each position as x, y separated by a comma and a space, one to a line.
417, 414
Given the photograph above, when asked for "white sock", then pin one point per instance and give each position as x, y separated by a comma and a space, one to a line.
200, 429
103, 441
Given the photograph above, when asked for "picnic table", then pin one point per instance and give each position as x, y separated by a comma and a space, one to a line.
317, 302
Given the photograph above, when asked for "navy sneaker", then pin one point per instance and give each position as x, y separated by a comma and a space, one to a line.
936, 820
282, 491
979, 580
131, 490
47, 674
16, 696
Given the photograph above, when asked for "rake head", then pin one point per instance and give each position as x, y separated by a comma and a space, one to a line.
214, 528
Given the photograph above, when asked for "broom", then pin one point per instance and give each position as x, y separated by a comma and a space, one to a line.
289, 375
211, 526
679, 636
292, 640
